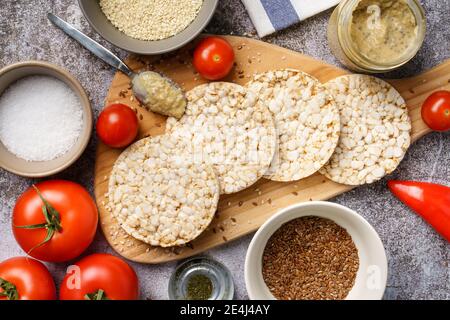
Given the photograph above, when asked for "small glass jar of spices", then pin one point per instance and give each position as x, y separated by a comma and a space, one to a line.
201, 278
375, 36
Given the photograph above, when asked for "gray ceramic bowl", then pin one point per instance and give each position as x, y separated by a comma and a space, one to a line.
36, 169
104, 27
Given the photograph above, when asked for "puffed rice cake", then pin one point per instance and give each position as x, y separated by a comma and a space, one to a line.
306, 119
159, 196
375, 130
229, 128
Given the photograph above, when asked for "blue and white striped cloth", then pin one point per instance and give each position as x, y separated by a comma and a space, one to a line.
270, 16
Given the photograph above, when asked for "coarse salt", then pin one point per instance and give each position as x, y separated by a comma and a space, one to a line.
40, 118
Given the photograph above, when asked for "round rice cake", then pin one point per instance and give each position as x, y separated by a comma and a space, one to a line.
160, 197
306, 119
375, 130
229, 128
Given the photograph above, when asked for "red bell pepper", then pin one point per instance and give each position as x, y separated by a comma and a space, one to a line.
429, 200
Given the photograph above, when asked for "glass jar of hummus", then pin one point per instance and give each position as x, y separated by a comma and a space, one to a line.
375, 36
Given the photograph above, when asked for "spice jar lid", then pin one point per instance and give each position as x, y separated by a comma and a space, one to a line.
190, 281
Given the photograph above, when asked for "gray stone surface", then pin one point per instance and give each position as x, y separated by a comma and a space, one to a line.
418, 257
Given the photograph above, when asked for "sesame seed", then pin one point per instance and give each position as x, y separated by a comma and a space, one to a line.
151, 21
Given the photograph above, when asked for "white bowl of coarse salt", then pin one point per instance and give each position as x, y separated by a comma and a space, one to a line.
45, 119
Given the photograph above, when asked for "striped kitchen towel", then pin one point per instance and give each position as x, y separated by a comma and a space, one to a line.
269, 16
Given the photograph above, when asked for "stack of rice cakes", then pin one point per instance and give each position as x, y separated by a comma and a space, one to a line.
284, 125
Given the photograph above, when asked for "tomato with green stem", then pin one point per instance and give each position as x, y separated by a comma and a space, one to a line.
100, 277
55, 220
24, 278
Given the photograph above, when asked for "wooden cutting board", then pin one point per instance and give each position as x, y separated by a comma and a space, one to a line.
244, 212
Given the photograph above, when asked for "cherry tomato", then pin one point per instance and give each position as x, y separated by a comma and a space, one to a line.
25, 279
100, 277
436, 111
213, 58
55, 220
117, 125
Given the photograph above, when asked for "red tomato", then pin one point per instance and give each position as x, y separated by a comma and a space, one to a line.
100, 277
213, 58
69, 227
436, 111
117, 125
25, 279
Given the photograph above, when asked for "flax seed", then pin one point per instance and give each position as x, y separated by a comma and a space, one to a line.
310, 258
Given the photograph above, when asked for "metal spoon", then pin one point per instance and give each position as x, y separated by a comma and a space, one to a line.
140, 81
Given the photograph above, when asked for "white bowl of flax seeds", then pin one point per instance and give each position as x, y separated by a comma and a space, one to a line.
316, 251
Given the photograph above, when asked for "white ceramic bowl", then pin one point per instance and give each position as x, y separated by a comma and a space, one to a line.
371, 278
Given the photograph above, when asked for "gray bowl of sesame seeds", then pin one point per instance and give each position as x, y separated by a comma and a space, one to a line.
311, 250
148, 30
